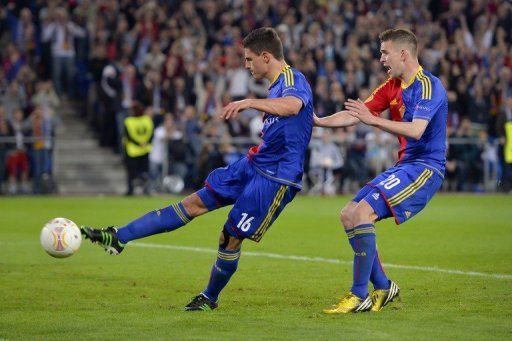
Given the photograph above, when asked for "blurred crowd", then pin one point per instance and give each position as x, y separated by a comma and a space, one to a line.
183, 60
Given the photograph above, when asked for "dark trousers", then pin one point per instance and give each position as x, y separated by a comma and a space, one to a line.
137, 168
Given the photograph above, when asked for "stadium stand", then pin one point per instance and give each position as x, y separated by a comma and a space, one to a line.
184, 60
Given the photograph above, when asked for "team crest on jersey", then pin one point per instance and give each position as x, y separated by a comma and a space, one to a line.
402, 110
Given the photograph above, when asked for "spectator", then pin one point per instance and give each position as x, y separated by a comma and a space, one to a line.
14, 99
13, 62
6, 133
467, 157
138, 133
111, 91
466, 43
154, 59
23, 33
38, 153
17, 158
505, 140
47, 101
61, 32
165, 133
46, 98
325, 159
379, 156
208, 103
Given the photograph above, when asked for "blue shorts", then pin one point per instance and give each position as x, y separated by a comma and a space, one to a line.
257, 200
401, 191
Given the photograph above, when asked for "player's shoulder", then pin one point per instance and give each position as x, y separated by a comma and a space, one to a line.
294, 79
294, 75
431, 86
389, 84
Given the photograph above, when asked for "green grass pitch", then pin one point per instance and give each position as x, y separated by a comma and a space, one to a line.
453, 263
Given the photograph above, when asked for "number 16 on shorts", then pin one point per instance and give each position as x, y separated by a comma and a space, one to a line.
245, 223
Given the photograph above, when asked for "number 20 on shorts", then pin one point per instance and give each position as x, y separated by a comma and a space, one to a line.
390, 182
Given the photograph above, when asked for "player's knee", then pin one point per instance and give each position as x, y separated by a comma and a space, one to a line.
228, 242
363, 214
194, 206
223, 239
346, 217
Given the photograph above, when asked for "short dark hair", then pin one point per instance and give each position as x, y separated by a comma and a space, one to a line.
264, 39
401, 35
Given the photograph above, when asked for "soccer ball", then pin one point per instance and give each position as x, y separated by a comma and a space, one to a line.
61, 238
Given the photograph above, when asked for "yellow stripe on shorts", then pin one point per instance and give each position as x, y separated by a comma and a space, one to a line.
411, 189
275, 204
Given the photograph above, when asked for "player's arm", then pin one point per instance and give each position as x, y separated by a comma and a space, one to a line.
412, 129
336, 120
376, 103
283, 106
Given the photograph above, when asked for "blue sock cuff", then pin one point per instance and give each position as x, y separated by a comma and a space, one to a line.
364, 230
350, 233
180, 212
182, 209
208, 198
228, 255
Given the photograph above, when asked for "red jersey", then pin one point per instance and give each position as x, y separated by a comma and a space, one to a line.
389, 96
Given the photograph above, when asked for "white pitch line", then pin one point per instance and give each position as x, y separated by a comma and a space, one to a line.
326, 260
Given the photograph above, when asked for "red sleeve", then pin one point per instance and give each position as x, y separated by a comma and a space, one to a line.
379, 99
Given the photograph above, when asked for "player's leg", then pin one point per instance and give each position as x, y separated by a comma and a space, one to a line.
224, 267
361, 234
364, 245
256, 208
222, 187
162, 220
417, 184
358, 219
373, 207
378, 276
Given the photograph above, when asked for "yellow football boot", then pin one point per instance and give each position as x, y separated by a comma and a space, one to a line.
350, 304
381, 297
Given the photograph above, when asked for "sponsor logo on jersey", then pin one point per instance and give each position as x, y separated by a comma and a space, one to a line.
375, 196
270, 120
407, 214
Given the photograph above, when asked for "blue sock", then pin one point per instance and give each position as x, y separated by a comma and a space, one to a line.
378, 276
163, 220
350, 236
222, 270
364, 254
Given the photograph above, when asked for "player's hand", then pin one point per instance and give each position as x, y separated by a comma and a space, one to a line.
233, 109
359, 110
316, 121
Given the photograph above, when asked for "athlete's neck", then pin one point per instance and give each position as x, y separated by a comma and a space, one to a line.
276, 67
411, 69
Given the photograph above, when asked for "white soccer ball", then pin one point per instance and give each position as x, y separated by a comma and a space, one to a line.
61, 238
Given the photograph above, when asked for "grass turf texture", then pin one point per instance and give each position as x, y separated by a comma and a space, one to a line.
141, 294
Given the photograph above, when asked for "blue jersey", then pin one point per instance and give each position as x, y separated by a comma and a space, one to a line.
425, 98
280, 157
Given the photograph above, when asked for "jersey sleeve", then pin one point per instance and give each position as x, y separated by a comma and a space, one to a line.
432, 97
296, 86
379, 99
